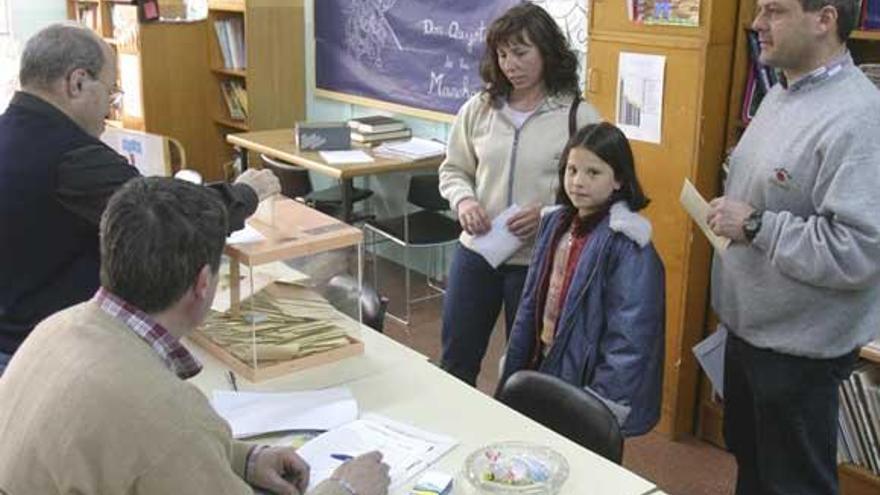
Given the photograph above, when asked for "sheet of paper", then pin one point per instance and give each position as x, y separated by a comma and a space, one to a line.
345, 156
255, 413
413, 148
244, 236
406, 449
640, 95
499, 243
698, 209
710, 354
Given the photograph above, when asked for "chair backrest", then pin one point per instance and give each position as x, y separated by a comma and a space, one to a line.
424, 192
343, 289
295, 181
571, 411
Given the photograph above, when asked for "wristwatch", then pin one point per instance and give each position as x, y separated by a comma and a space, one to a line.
752, 225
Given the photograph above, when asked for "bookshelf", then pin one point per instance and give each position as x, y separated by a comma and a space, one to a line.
256, 47
146, 54
854, 480
173, 72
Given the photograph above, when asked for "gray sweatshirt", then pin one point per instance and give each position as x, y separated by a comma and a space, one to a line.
809, 283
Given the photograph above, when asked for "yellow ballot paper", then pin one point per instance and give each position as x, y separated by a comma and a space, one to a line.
698, 209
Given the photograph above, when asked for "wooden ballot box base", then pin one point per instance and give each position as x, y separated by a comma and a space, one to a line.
273, 370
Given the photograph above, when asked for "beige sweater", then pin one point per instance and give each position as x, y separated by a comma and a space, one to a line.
487, 158
87, 407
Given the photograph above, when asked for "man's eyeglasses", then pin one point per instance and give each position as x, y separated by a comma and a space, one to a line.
115, 92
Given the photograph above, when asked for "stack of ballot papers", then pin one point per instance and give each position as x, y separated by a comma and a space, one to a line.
255, 413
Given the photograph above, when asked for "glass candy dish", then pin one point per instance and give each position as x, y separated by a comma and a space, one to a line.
516, 468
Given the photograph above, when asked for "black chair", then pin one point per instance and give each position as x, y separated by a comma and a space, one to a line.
428, 227
571, 411
342, 290
296, 184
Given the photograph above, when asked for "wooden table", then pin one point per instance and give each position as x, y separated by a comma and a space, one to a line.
279, 144
394, 381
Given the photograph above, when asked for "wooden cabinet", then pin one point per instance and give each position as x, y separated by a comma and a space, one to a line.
161, 67
695, 105
273, 77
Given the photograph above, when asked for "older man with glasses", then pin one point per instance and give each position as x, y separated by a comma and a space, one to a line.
56, 177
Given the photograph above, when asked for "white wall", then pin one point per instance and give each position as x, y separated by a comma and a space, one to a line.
26, 18
29, 16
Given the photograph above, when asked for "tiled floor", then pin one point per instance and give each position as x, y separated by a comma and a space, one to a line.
687, 467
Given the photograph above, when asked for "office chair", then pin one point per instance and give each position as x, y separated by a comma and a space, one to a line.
341, 290
573, 412
428, 227
296, 184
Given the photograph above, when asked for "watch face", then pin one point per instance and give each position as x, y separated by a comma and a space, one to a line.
752, 225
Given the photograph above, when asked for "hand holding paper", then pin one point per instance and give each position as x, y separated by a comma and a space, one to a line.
698, 209
499, 243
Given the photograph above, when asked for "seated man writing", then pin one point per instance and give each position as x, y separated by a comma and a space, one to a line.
95, 401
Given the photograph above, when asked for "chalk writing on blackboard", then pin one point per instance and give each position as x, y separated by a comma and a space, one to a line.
368, 32
419, 54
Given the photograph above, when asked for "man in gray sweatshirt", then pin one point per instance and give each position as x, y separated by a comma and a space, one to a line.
799, 288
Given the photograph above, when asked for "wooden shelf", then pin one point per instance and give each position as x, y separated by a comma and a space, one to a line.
855, 480
234, 124
227, 6
870, 354
860, 34
229, 72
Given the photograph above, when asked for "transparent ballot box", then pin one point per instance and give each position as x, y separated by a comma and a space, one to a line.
288, 293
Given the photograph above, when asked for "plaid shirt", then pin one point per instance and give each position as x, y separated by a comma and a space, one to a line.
167, 346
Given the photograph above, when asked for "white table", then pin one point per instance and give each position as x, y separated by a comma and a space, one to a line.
397, 382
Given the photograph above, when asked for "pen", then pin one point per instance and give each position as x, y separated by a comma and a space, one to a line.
342, 457
231, 376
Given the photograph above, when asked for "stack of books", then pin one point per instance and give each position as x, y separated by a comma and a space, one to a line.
859, 420
376, 129
873, 72
235, 97
230, 37
869, 15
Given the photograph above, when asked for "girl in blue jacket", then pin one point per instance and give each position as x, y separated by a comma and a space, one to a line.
592, 309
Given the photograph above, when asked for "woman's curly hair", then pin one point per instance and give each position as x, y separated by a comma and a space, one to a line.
522, 21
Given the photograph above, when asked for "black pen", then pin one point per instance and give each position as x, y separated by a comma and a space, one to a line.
231, 376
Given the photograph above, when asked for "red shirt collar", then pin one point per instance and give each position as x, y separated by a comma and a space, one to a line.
178, 359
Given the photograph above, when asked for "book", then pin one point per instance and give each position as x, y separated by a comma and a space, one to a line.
376, 123
374, 137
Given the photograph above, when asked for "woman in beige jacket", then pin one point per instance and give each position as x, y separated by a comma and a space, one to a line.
504, 150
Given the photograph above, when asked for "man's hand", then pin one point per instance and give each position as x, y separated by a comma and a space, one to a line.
263, 182
726, 217
472, 217
280, 470
524, 223
365, 474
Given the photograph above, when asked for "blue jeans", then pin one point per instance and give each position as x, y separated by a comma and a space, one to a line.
4, 360
780, 419
474, 295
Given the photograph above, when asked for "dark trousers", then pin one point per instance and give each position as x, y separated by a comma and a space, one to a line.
474, 294
780, 419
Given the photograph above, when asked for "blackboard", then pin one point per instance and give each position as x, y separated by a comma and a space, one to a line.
420, 54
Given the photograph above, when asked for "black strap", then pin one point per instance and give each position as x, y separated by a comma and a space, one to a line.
572, 115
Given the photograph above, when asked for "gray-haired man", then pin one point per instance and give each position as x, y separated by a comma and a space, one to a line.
56, 177
95, 401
